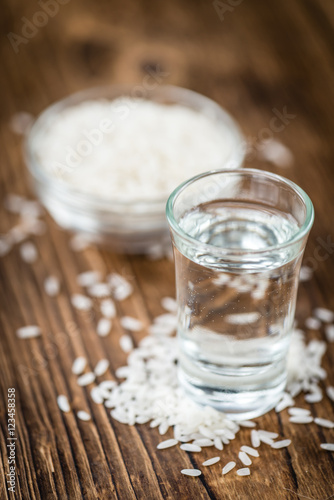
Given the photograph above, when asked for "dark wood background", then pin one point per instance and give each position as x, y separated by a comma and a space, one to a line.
254, 57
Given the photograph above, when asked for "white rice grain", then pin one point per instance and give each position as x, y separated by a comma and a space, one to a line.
281, 444
101, 367
329, 331
243, 318
169, 304
81, 302
132, 324
211, 461
255, 439
284, 403
86, 379
79, 242
246, 423
190, 447
79, 365
167, 444
301, 419
312, 323
228, 467
243, 472
203, 442
83, 415
325, 315
244, 458
327, 446
89, 278
299, 411
28, 332
306, 273
108, 308
99, 290
314, 397
120, 287
330, 392
28, 252
323, 422
103, 327
96, 396
191, 472
51, 286
250, 451
63, 403
126, 343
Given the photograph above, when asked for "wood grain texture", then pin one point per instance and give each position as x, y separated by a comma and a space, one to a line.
258, 57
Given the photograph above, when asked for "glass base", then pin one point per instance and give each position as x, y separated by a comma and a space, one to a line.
237, 405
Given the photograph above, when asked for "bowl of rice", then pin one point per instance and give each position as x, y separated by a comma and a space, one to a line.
104, 161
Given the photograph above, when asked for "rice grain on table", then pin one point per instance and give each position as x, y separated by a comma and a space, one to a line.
86, 379
101, 367
103, 327
211, 461
329, 331
312, 323
79, 365
167, 444
284, 403
299, 411
190, 447
89, 278
330, 392
281, 444
79, 242
63, 403
327, 446
28, 332
108, 308
99, 290
203, 442
28, 252
51, 286
132, 324
246, 423
301, 419
313, 397
244, 458
191, 472
96, 396
243, 472
120, 287
81, 302
83, 415
325, 315
126, 343
228, 467
323, 422
169, 304
250, 451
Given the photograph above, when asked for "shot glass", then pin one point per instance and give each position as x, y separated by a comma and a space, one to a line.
238, 238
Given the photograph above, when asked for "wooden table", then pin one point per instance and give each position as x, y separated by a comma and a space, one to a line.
256, 59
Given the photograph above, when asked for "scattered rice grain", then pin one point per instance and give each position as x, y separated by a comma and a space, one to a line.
86, 379
243, 472
101, 367
83, 415
103, 327
211, 461
79, 364
167, 444
281, 444
244, 458
28, 332
191, 472
28, 252
63, 403
51, 286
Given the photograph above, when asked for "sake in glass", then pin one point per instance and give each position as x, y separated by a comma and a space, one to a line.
238, 237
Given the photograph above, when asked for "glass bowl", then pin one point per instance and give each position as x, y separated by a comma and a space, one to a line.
132, 225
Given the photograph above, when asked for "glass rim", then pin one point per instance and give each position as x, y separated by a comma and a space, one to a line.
300, 234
